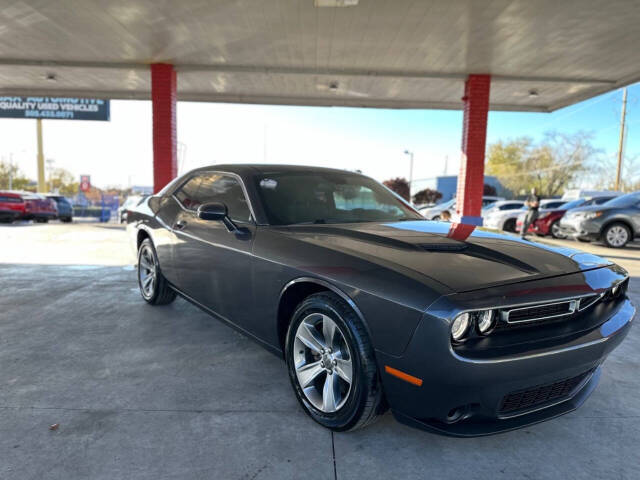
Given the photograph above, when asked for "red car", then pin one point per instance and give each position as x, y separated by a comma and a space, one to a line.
39, 208
12, 207
546, 224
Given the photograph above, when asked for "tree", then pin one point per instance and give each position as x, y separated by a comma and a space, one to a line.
62, 181
426, 196
550, 166
18, 180
398, 185
603, 174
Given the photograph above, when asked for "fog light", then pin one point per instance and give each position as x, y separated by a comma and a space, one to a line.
460, 326
485, 321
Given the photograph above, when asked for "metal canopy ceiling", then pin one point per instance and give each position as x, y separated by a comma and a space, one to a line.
379, 53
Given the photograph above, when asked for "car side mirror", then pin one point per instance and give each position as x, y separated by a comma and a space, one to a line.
212, 211
218, 212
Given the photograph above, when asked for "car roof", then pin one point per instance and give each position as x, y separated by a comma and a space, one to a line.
257, 168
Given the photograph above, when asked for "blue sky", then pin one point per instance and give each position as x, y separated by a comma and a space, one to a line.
372, 140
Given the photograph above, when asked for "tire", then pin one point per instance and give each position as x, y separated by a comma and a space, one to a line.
436, 218
352, 405
509, 225
556, 232
66, 220
157, 291
616, 235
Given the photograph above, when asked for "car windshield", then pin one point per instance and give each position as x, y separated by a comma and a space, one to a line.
489, 206
573, 204
328, 197
623, 201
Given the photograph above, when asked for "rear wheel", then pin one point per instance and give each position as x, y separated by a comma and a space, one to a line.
154, 288
331, 364
616, 235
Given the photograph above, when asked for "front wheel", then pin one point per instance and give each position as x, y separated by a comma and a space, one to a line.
153, 286
331, 364
556, 232
510, 225
616, 235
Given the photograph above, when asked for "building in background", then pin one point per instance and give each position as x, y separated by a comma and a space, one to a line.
447, 185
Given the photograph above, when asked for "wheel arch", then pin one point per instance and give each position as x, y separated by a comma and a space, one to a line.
623, 221
297, 290
141, 236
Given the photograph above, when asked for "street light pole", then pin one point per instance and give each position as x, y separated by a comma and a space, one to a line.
410, 153
50, 165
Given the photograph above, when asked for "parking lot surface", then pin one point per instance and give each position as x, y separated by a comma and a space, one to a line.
141, 392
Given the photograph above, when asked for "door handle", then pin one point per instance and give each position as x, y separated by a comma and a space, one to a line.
180, 224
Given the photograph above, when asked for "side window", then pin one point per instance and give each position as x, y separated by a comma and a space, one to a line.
217, 187
187, 194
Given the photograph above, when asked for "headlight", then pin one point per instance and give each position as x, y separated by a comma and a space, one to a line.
460, 326
590, 215
485, 321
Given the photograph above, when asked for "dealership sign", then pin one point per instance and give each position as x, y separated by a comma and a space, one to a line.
59, 108
85, 183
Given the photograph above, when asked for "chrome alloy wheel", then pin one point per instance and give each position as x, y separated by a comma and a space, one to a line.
323, 362
147, 271
556, 232
617, 236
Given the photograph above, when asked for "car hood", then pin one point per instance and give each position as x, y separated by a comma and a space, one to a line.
461, 257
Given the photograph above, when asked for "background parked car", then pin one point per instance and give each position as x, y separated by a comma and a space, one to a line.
11, 207
615, 222
65, 209
506, 219
548, 222
39, 208
131, 202
434, 212
502, 205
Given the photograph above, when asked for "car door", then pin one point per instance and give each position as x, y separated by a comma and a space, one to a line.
215, 264
164, 236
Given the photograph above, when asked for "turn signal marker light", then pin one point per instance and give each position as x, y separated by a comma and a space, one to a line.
403, 376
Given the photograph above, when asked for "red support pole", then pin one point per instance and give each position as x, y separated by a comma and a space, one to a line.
163, 100
474, 139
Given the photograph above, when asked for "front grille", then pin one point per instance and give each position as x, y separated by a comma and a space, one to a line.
540, 312
536, 396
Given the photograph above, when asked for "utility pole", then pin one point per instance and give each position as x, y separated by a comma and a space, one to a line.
42, 187
621, 141
407, 152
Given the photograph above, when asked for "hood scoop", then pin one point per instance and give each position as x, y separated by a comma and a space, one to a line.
442, 247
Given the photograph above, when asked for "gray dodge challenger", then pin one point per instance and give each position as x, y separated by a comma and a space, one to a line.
456, 329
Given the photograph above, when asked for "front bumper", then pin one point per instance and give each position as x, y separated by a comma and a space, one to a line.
464, 395
579, 227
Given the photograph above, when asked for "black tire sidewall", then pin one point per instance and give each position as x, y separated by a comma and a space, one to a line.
349, 413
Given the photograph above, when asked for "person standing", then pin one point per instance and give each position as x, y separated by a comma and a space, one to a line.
533, 203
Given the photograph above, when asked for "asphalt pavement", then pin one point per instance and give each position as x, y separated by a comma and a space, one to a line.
140, 392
